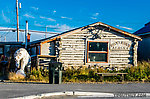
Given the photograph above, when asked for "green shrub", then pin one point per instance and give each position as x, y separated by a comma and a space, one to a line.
38, 75
138, 73
82, 75
135, 73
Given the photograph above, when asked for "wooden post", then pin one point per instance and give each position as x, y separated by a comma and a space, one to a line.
37, 62
101, 77
122, 77
135, 46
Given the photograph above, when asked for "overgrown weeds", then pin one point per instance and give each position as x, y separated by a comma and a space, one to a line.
15, 77
140, 73
84, 74
135, 73
41, 75
38, 75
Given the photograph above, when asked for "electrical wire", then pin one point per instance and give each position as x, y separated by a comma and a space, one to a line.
42, 13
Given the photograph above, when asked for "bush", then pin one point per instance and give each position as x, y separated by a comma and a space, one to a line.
38, 75
135, 73
82, 74
34, 75
139, 73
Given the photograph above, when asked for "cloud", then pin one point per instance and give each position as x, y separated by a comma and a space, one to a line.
60, 28
53, 26
66, 18
29, 16
63, 28
35, 8
6, 28
54, 11
37, 24
5, 18
48, 19
93, 18
124, 27
96, 14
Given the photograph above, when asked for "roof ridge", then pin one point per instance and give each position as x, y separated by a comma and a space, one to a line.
99, 23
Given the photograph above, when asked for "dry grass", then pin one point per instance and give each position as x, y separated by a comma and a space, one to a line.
15, 77
33, 76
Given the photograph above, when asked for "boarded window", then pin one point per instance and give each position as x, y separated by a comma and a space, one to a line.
97, 51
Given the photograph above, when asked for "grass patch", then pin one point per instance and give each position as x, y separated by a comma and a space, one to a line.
15, 77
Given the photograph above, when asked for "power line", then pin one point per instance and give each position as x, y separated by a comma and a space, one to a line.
9, 25
33, 31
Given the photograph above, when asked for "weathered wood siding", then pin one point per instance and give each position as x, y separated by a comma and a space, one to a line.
45, 48
48, 48
73, 49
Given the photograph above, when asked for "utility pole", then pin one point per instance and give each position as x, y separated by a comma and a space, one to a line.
17, 20
26, 32
46, 32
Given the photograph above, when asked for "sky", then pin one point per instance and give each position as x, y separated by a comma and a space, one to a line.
62, 15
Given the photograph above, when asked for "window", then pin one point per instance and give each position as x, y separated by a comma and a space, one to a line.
97, 52
1, 50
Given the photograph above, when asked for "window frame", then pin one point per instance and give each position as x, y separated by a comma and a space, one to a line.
106, 52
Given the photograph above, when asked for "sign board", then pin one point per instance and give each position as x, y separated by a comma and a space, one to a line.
120, 45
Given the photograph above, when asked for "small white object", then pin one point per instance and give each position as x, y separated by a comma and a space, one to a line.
20, 5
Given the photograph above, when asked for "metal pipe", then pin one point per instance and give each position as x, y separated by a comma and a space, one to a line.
26, 32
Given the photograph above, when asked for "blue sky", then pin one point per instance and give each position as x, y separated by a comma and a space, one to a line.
63, 15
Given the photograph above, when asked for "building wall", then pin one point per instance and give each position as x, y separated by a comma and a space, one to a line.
48, 48
73, 48
144, 49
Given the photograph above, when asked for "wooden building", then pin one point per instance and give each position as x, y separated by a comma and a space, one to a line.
144, 45
7, 48
97, 44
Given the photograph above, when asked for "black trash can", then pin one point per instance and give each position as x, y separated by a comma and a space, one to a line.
55, 73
